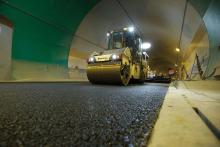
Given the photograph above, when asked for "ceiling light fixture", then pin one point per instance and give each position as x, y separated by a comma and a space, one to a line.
146, 45
131, 29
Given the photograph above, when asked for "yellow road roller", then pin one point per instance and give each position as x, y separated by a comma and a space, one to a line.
122, 62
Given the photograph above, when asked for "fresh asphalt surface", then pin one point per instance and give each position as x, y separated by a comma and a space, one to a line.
80, 114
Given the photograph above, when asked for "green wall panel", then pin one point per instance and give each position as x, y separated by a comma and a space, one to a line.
212, 22
201, 5
43, 29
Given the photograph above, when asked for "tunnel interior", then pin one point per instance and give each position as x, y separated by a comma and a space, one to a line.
57, 38
44, 50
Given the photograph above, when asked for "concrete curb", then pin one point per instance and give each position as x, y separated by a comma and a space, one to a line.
179, 125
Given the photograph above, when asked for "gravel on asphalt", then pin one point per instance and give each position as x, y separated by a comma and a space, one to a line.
70, 114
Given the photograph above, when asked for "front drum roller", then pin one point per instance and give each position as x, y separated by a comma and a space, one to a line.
109, 74
125, 74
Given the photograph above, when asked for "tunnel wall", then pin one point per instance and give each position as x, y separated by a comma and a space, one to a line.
198, 46
212, 22
194, 42
43, 32
77, 69
6, 31
210, 12
205, 42
200, 5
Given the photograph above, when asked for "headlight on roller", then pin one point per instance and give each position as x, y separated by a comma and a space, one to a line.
91, 60
115, 57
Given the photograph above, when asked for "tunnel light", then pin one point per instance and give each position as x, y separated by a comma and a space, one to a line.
177, 50
131, 29
145, 45
125, 29
108, 34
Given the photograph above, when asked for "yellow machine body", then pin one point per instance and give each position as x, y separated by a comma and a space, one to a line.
116, 66
106, 71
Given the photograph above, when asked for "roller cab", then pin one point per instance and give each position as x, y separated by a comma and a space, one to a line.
121, 63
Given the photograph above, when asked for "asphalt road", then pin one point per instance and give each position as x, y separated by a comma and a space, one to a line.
67, 114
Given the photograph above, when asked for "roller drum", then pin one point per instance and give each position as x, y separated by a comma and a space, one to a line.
108, 74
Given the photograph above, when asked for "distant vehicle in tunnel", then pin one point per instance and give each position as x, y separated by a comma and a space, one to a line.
161, 77
123, 61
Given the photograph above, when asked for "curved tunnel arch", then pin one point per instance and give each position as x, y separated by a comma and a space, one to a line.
99, 16
44, 31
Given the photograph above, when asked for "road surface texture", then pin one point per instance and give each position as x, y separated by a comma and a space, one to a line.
68, 114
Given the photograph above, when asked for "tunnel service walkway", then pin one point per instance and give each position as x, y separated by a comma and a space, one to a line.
189, 116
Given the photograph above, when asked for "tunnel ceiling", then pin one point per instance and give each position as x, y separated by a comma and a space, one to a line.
159, 22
